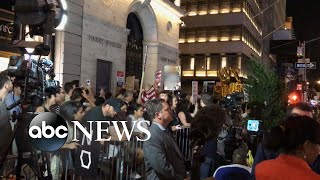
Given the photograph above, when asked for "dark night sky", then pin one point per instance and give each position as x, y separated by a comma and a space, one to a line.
306, 24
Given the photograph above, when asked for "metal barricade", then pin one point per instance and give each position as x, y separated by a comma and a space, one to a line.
123, 160
183, 140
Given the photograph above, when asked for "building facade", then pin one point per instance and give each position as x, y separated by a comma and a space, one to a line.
222, 33
103, 37
106, 36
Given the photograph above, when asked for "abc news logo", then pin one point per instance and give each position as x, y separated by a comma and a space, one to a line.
49, 131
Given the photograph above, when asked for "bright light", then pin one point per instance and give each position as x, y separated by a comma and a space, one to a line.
318, 81
191, 40
224, 11
214, 11
202, 39
213, 39
224, 39
236, 10
182, 40
166, 10
4, 63
193, 13
294, 97
208, 63
29, 50
64, 4
192, 64
236, 38
62, 23
203, 12
223, 62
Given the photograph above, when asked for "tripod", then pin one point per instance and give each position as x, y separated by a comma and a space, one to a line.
19, 135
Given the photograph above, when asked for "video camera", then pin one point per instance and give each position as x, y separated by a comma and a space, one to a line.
36, 75
254, 126
233, 102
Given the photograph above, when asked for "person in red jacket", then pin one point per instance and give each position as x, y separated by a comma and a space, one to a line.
299, 140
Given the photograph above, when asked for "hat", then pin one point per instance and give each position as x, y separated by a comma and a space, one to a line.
115, 103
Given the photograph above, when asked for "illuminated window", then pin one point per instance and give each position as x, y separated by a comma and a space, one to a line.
202, 36
225, 7
213, 35
200, 65
187, 64
223, 62
192, 9
203, 8
236, 6
213, 8
191, 37
192, 64
212, 66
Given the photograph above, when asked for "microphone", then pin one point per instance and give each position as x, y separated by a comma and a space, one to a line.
14, 104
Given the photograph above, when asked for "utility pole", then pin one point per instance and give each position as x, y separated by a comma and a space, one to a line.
305, 95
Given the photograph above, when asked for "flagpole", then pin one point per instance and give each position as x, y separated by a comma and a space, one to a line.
143, 70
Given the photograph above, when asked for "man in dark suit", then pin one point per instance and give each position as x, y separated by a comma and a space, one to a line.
163, 159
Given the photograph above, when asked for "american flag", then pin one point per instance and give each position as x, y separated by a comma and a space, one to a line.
148, 95
152, 92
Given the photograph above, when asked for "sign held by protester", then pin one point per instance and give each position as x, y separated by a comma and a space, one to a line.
130, 83
172, 75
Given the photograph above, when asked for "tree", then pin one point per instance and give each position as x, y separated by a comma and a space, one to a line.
266, 92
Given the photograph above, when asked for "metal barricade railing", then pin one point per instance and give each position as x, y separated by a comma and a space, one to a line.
122, 160
182, 137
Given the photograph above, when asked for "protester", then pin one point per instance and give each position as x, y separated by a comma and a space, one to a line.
238, 170
264, 153
70, 111
60, 99
300, 145
183, 113
136, 114
68, 88
50, 95
206, 127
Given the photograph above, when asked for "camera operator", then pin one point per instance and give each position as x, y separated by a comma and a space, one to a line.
13, 97
6, 87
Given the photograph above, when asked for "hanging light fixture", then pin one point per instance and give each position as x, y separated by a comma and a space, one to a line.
43, 17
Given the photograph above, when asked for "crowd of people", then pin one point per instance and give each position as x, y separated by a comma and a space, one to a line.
220, 150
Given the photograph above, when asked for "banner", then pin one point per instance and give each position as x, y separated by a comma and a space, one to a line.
120, 78
87, 155
172, 75
195, 91
158, 78
130, 83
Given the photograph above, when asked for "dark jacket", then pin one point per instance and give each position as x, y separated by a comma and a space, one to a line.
163, 159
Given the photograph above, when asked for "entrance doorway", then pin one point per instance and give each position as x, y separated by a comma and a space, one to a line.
104, 69
134, 52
